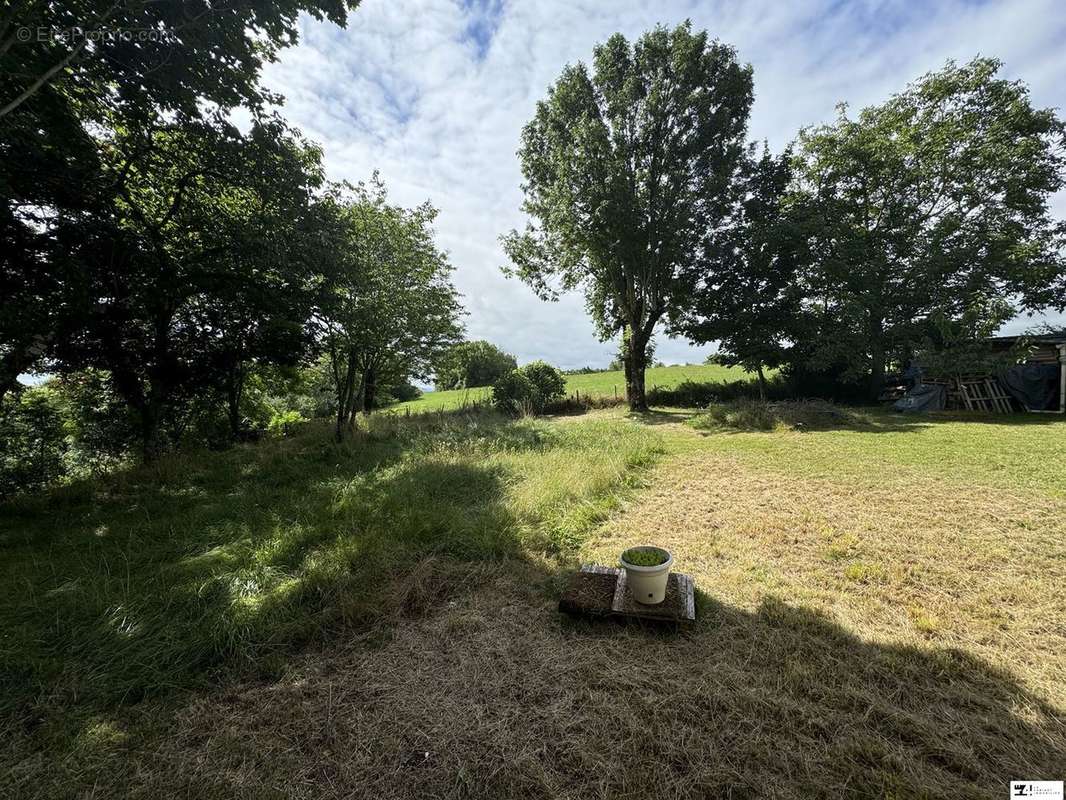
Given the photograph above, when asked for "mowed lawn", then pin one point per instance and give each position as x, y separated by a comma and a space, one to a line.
594, 384
881, 614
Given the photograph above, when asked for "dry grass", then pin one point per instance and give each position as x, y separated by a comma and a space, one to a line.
496, 696
973, 568
881, 615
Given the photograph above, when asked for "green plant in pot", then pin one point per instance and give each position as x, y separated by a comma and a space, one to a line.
647, 571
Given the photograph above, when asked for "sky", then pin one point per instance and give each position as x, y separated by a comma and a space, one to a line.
434, 93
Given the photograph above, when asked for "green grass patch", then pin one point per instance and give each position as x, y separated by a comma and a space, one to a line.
155, 579
593, 384
874, 446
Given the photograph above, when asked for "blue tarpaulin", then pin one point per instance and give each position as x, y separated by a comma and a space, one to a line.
923, 397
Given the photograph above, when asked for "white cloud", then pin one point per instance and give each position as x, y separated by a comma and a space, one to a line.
434, 93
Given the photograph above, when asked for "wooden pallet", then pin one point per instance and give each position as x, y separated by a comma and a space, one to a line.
984, 394
975, 393
598, 591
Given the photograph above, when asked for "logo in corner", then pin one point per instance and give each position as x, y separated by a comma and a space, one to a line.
1039, 790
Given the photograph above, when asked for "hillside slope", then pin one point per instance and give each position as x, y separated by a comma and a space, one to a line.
598, 384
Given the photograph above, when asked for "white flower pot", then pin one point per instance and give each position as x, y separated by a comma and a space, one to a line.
647, 585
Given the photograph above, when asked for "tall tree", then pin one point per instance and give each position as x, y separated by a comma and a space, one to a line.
167, 286
390, 305
747, 299
924, 203
72, 69
470, 364
147, 53
627, 173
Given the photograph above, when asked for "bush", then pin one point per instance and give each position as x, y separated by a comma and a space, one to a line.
690, 394
470, 364
755, 415
101, 428
285, 423
529, 389
33, 441
403, 392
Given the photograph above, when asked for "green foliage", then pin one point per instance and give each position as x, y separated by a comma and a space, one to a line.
101, 430
33, 445
529, 389
626, 174
402, 392
71, 427
285, 423
470, 364
513, 393
548, 382
920, 205
962, 347
644, 557
389, 307
697, 394
748, 300
66, 105
201, 265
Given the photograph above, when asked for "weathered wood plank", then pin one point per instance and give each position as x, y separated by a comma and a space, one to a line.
599, 591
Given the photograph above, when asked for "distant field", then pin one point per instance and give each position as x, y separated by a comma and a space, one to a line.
594, 383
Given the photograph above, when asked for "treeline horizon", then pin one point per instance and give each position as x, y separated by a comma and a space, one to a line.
173, 270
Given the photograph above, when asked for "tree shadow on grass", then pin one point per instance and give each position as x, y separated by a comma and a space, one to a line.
785, 702
494, 695
801, 416
155, 580
662, 416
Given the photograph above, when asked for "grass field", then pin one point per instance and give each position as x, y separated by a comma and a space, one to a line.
595, 384
880, 614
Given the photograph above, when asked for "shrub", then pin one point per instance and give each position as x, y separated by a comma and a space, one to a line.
690, 394
284, 423
470, 364
101, 428
34, 443
404, 391
513, 393
755, 415
529, 389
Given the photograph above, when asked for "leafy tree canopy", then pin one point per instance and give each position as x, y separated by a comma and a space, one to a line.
470, 364
76, 72
925, 207
196, 265
747, 299
389, 303
627, 172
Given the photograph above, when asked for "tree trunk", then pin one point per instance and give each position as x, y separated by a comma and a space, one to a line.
151, 426
234, 391
877, 360
345, 395
635, 348
762, 383
370, 388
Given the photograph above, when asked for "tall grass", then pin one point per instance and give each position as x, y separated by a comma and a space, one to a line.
158, 578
